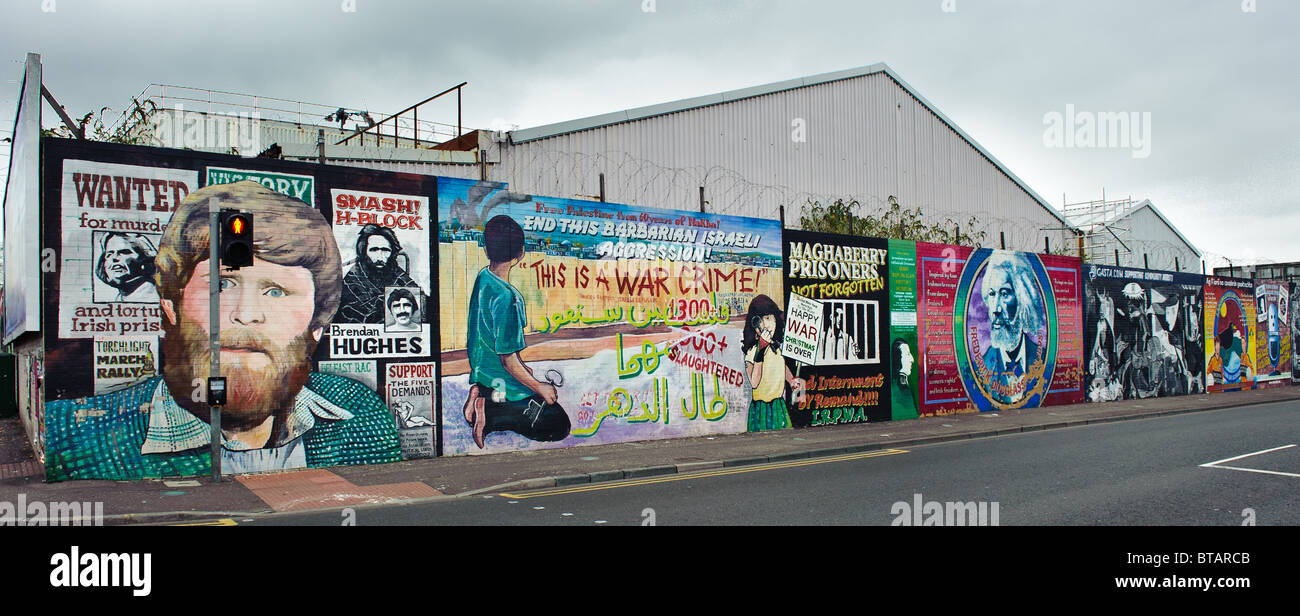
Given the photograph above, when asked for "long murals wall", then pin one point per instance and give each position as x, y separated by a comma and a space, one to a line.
571, 322
325, 339
394, 316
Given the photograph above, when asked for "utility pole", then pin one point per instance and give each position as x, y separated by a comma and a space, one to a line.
214, 329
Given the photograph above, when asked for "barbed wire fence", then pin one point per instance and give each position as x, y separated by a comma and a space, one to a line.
637, 181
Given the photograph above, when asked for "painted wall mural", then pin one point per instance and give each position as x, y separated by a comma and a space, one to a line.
1272, 333
1294, 312
1229, 334
126, 339
30, 391
383, 227
836, 327
537, 322
1143, 332
999, 330
574, 322
904, 354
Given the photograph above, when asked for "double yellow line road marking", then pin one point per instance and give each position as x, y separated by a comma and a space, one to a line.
221, 522
717, 472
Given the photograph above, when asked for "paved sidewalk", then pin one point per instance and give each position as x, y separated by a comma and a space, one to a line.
177, 500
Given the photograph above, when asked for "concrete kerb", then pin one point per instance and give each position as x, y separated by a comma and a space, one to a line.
606, 476
746, 461
537, 484
789, 457
650, 471
689, 467
685, 467
571, 480
163, 517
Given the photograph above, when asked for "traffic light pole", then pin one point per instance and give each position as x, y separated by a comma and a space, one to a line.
214, 328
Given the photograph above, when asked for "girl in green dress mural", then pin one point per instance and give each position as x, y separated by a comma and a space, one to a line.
766, 369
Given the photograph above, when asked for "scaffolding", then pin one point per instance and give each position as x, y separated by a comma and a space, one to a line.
1105, 228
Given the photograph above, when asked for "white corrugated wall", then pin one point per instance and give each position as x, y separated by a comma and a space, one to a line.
866, 138
1154, 239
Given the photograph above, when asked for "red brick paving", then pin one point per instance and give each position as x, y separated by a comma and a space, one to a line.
319, 488
21, 469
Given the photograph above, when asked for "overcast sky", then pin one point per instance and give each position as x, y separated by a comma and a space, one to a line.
1220, 83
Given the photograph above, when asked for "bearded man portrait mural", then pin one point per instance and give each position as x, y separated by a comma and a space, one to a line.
279, 413
1014, 307
1013, 313
378, 266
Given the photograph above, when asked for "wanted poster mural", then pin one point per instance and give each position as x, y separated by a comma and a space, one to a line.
383, 240
112, 217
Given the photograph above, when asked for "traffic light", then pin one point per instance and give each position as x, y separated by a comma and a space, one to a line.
236, 239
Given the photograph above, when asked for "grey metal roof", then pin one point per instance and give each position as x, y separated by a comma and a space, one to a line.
1147, 203
640, 113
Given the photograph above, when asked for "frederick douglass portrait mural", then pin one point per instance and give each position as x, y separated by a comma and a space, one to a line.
1006, 330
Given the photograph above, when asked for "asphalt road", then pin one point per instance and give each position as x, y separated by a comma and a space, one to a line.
1141, 472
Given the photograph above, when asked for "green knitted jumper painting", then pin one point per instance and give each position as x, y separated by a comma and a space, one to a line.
101, 437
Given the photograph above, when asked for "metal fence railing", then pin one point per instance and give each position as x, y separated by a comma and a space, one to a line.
399, 131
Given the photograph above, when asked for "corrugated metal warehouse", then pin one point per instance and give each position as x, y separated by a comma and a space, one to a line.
860, 134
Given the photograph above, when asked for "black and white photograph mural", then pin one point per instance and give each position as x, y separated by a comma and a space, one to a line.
850, 332
124, 269
1143, 331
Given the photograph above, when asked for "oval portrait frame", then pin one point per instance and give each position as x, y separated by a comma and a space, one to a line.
976, 389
